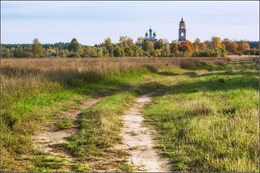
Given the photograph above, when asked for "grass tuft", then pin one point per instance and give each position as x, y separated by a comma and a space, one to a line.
65, 123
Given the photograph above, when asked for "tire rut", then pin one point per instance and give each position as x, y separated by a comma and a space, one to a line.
45, 141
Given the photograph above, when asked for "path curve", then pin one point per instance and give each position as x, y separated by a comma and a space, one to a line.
138, 140
46, 140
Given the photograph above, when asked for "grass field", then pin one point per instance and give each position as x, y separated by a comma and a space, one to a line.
34, 91
211, 123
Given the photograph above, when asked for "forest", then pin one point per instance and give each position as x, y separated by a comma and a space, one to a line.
128, 48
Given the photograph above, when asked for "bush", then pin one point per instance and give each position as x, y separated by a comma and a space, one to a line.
74, 55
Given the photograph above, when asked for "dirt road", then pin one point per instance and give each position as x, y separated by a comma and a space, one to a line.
138, 140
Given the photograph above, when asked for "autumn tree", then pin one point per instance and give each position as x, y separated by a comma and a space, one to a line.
99, 53
203, 46
74, 45
157, 53
125, 41
223, 46
230, 46
174, 47
207, 44
197, 44
242, 46
37, 48
226, 41
108, 42
186, 46
215, 42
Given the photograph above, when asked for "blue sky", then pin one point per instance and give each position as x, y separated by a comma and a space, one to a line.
91, 22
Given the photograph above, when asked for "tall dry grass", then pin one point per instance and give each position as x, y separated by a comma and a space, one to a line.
35, 71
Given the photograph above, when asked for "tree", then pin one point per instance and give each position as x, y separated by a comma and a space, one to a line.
242, 46
197, 44
129, 52
125, 41
117, 51
226, 41
130, 42
100, 54
207, 44
109, 45
167, 49
93, 52
157, 52
159, 44
174, 47
18, 52
140, 41
37, 48
5, 52
223, 46
232, 47
186, 46
148, 46
108, 42
215, 42
74, 45
203, 46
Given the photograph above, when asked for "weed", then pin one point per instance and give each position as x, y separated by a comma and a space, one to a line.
222, 80
194, 90
80, 168
65, 123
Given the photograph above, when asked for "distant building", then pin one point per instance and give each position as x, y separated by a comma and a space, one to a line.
50, 53
151, 37
182, 31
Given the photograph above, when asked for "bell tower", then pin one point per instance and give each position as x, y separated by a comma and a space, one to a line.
182, 31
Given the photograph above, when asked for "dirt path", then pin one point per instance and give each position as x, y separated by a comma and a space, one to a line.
46, 140
138, 140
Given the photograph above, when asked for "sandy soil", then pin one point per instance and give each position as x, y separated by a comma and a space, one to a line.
138, 140
50, 137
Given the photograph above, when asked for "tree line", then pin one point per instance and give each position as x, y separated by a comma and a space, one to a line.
126, 47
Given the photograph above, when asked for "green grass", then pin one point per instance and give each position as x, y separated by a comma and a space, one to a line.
25, 110
210, 123
99, 129
101, 124
21, 117
65, 123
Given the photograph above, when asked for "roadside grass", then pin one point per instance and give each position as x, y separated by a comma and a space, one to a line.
65, 123
210, 123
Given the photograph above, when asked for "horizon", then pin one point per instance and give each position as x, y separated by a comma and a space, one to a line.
53, 22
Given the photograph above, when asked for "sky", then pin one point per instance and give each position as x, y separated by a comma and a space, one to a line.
92, 22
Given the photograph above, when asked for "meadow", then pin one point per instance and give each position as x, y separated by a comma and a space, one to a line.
211, 123
220, 133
